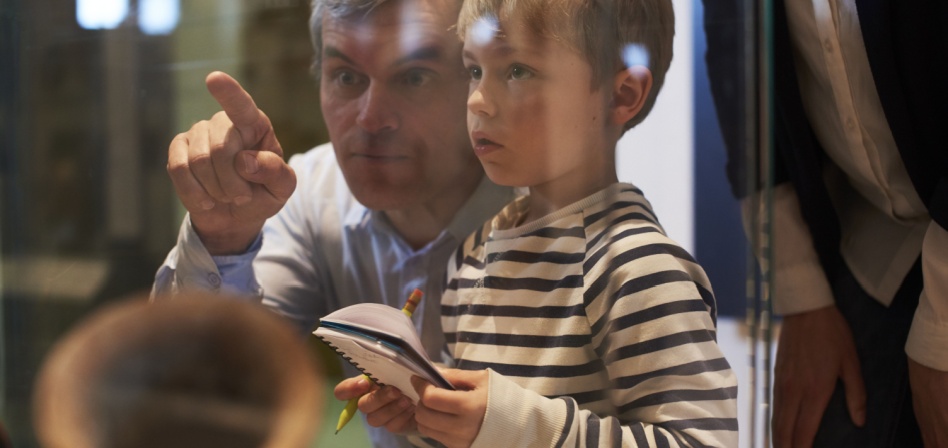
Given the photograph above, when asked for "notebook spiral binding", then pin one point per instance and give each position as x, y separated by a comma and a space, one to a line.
350, 361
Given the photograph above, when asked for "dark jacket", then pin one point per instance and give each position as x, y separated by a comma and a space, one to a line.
907, 46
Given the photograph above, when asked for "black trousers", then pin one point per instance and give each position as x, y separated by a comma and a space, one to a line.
880, 334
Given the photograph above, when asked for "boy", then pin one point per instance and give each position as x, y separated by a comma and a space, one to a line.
574, 320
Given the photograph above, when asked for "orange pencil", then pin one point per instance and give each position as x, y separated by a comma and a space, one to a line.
412, 302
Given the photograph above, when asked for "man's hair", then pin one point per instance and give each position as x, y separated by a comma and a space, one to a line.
336, 9
611, 35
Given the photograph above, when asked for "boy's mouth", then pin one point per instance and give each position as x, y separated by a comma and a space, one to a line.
481, 139
484, 145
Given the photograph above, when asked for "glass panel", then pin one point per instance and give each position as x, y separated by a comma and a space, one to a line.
738, 77
93, 93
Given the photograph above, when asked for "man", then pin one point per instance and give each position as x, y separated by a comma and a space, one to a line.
375, 214
860, 216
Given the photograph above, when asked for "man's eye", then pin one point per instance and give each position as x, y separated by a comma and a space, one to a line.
346, 78
518, 72
417, 78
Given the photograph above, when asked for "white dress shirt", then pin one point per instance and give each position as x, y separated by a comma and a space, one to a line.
885, 226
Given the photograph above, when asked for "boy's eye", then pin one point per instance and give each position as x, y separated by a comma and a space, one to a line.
475, 72
519, 72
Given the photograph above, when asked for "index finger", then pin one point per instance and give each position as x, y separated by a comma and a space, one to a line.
251, 122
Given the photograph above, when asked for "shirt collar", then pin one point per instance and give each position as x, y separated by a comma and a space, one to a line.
486, 200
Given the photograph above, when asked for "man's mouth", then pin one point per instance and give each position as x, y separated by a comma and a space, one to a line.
377, 152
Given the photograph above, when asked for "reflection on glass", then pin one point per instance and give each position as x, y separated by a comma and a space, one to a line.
101, 14
635, 55
158, 16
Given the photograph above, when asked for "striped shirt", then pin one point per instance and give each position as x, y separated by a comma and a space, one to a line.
598, 329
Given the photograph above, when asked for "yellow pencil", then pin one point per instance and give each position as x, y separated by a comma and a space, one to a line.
353, 405
348, 412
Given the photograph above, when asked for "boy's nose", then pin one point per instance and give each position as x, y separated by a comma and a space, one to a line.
376, 111
478, 103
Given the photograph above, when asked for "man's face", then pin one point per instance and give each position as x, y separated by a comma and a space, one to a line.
393, 94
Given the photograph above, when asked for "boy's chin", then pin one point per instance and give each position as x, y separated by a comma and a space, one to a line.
515, 177
503, 179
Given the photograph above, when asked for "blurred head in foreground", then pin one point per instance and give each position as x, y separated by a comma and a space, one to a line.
197, 371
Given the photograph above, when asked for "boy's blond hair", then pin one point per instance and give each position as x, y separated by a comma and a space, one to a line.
604, 32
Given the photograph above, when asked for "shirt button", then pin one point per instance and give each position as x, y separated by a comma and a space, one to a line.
828, 46
214, 280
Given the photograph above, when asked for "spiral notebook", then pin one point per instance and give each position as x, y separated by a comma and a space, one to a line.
380, 341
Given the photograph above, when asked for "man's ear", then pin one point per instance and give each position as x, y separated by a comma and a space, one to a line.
630, 88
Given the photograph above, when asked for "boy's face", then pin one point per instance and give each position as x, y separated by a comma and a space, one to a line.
392, 89
533, 116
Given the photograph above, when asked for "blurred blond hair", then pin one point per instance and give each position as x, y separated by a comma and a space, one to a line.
198, 370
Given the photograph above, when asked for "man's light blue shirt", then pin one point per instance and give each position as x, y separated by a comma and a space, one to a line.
324, 251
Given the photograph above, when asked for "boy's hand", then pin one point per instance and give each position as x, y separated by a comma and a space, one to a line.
354, 387
383, 407
452, 417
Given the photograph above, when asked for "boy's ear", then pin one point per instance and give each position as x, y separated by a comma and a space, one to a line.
630, 88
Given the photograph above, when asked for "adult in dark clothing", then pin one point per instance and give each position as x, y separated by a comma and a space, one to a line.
860, 212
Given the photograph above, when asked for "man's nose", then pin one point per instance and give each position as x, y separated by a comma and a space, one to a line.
377, 110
